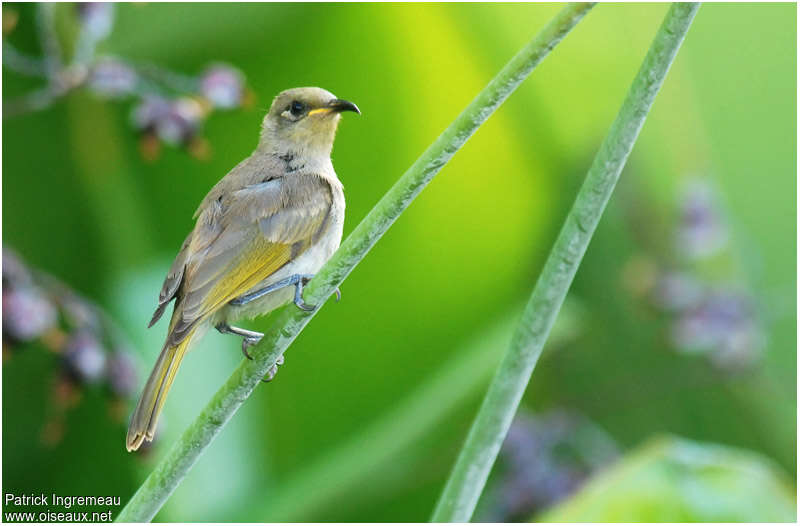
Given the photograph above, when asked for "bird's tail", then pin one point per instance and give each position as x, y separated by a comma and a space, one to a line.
145, 416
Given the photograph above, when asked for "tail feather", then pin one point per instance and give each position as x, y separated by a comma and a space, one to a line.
145, 417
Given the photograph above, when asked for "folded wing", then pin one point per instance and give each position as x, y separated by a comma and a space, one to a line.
240, 240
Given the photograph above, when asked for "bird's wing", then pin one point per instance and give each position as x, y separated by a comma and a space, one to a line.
243, 238
169, 290
173, 280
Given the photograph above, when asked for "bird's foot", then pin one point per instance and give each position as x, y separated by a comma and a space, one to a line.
273, 370
249, 338
298, 292
248, 342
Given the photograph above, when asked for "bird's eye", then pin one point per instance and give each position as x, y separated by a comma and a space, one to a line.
297, 108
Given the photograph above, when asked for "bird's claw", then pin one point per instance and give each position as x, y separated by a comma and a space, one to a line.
298, 295
273, 370
249, 338
304, 306
247, 342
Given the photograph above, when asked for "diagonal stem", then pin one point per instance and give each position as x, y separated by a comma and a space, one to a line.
169, 473
33, 101
15, 60
465, 485
51, 49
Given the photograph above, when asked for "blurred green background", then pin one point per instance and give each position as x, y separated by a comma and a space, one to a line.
365, 419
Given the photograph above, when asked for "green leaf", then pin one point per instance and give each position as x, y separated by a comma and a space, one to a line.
672, 479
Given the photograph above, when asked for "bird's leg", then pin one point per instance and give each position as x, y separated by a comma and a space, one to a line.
250, 338
286, 282
298, 281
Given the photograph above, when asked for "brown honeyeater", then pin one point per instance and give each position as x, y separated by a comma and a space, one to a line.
261, 232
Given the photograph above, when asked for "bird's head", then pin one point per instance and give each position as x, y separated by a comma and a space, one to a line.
303, 120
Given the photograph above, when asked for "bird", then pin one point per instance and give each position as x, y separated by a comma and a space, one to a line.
260, 234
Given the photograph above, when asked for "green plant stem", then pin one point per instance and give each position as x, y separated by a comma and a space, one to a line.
460, 495
168, 474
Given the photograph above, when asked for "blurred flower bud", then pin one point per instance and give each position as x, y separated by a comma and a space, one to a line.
122, 375
701, 231
112, 78
15, 273
149, 111
544, 458
182, 123
27, 313
723, 326
10, 19
149, 147
199, 148
97, 18
85, 357
676, 291
175, 122
223, 86
54, 339
740, 349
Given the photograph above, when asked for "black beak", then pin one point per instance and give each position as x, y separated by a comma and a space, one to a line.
340, 105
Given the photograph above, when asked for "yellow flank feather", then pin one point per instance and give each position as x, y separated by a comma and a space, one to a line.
260, 261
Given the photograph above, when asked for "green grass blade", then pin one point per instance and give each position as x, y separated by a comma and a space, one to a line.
465, 485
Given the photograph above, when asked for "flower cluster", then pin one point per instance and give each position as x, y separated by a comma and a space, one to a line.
710, 311
544, 458
170, 108
41, 312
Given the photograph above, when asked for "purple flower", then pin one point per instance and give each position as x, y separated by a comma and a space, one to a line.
676, 291
97, 18
702, 231
182, 122
14, 270
223, 86
27, 313
149, 111
724, 326
174, 122
544, 458
112, 78
85, 357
